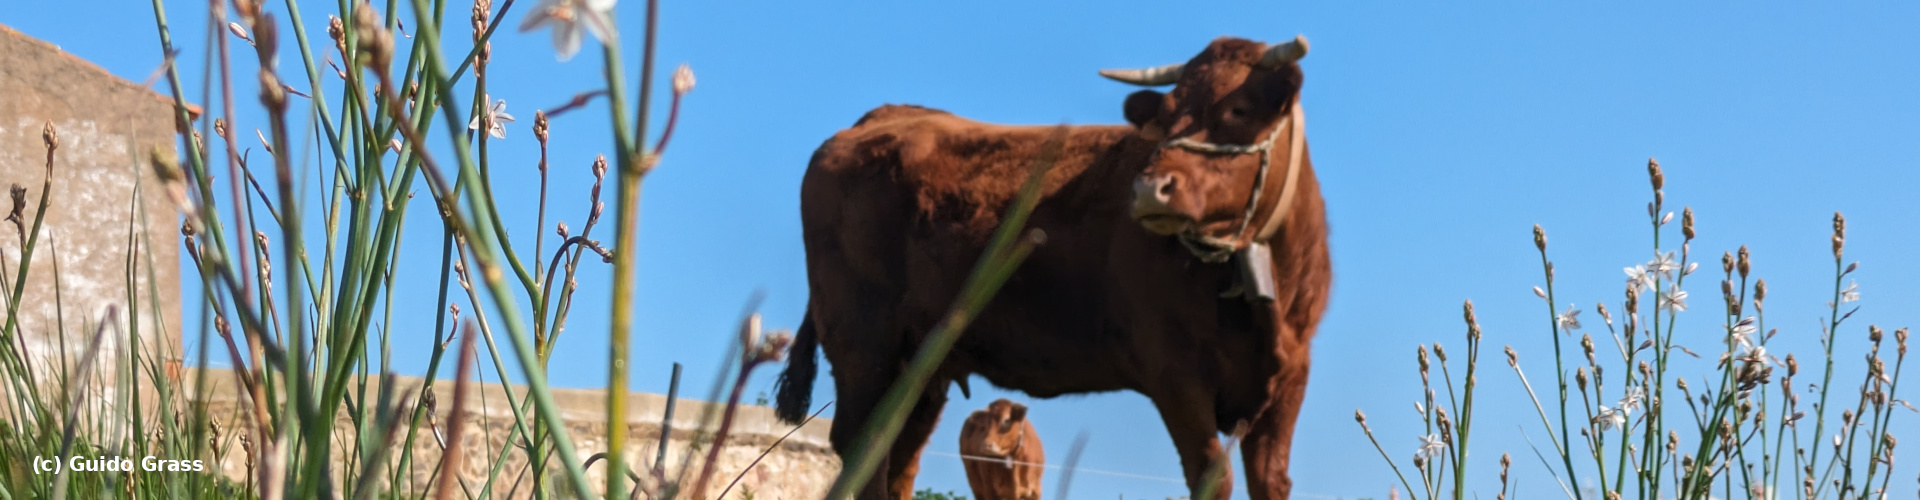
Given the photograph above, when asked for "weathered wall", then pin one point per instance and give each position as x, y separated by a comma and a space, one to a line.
94, 224
800, 468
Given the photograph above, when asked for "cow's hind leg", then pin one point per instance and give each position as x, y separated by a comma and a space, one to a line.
905, 455
1268, 446
1190, 421
866, 360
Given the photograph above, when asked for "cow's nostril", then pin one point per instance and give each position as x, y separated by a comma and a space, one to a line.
1165, 192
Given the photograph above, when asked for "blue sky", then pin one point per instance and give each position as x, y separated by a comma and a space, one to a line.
1442, 132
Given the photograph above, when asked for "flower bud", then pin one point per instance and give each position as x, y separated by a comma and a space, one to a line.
682, 80
540, 126
337, 30
1539, 238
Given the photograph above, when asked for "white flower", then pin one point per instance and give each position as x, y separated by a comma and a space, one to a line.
567, 18
1675, 300
1431, 446
1610, 418
1756, 354
1638, 277
1742, 334
1631, 400
1570, 320
497, 119
1852, 293
1663, 265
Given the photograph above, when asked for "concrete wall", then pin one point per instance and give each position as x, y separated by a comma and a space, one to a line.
104, 123
800, 468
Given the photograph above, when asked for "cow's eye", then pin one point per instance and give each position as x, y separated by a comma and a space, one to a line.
1236, 112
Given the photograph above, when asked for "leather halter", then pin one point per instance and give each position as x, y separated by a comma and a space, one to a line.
1213, 249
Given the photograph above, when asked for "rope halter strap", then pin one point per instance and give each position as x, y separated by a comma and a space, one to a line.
1216, 249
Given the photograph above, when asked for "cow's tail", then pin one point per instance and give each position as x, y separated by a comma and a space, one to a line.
795, 388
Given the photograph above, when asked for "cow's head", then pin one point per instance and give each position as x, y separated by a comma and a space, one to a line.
996, 431
1235, 93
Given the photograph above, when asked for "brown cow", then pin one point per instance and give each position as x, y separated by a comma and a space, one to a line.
1186, 259
1002, 453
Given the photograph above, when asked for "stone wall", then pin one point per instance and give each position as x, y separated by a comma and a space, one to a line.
802, 467
98, 232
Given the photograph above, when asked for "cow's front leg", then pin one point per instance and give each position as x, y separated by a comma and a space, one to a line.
1190, 421
1268, 445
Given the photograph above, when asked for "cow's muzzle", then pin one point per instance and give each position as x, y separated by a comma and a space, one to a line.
1152, 195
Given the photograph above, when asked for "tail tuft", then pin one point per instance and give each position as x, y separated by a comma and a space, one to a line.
795, 388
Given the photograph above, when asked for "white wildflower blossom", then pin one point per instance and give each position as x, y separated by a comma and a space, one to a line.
1631, 400
1663, 265
1675, 300
1742, 333
496, 118
1569, 320
1851, 293
1431, 446
1609, 418
1639, 277
568, 17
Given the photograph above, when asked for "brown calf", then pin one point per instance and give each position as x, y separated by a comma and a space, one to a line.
1002, 453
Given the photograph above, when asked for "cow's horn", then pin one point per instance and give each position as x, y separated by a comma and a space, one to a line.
1162, 75
1285, 52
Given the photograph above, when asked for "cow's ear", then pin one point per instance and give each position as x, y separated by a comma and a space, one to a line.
1143, 106
1019, 412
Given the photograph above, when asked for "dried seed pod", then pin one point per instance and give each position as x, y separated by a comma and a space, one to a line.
1744, 263
1686, 223
1654, 174
375, 43
1874, 333
1793, 365
1513, 358
1439, 352
1539, 238
1839, 234
1580, 378
273, 94
1359, 416
1759, 291
1424, 364
19, 195
1726, 262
